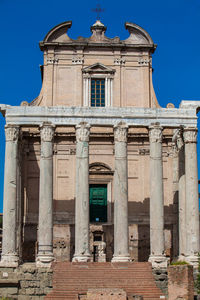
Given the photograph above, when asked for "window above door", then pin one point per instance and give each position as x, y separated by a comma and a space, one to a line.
97, 85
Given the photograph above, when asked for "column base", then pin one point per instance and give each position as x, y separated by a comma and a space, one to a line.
44, 261
81, 258
181, 257
121, 258
158, 261
192, 260
9, 260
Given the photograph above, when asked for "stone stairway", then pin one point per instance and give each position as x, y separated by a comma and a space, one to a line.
73, 279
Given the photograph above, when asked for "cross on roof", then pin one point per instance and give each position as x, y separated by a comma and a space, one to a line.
98, 10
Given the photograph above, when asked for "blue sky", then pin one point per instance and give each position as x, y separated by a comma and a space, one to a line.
173, 25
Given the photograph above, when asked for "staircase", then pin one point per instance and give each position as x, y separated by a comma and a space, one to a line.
73, 279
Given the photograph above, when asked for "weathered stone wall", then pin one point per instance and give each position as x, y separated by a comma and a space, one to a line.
161, 278
180, 282
25, 282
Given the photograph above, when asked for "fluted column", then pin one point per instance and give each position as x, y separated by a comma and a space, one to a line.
192, 196
82, 249
45, 226
157, 256
9, 256
121, 249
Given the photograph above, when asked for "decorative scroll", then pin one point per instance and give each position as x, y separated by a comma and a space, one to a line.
190, 135
155, 134
47, 133
82, 132
120, 133
12, 133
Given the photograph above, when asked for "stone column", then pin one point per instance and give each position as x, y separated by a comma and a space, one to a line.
121, 242
45, 226
9, 256
192, 196
157, 256
181, 195
82, 249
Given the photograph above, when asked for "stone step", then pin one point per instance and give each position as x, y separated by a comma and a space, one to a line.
71, 279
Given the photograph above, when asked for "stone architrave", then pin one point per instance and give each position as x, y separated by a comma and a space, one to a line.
157, 255
9, 256
121, 242
192, 196
82, 248
45, 226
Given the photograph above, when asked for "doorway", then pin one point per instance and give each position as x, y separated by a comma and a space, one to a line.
98, 203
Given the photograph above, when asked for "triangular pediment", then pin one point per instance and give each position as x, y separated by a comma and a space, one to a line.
98, 68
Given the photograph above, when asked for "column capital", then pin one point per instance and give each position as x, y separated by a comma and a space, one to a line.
11, 133
155, 133
47, 132
82, 132
120, 132
190, 135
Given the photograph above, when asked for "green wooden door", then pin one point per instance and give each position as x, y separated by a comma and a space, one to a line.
98, 203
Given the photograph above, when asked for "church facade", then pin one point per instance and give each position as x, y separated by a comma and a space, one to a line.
95, 169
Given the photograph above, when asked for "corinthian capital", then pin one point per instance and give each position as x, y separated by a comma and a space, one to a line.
82, 132
120, 133
155, 133
47, 132
190, 135
12, 133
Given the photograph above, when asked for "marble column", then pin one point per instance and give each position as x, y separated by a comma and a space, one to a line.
45, 226
157, 255
121, 236
82, 249
192, 196
9, 256
181, 195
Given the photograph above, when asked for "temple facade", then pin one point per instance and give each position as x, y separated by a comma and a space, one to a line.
95, 169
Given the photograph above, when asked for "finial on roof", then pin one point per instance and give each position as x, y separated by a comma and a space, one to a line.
98, 10
98, 29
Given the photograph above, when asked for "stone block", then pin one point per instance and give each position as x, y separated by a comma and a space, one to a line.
180, 282
106, 294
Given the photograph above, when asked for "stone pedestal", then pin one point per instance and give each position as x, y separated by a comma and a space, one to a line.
45, 226
121, 249
82, 249
157, 256
192, 196
9, 256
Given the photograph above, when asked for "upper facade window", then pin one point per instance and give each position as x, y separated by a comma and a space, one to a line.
97, 85
97, 92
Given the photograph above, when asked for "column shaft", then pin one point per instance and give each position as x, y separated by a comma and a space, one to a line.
82, 249
121, 242
192, 196
9, 252
157, 256
45, 227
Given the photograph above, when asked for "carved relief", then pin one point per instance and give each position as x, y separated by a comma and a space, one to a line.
190, 135
120, 133
51, 61
12, 133
82, 132
100, 168
155, 134
47, 133
177, 140
77, 60
119, 61
145, 61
